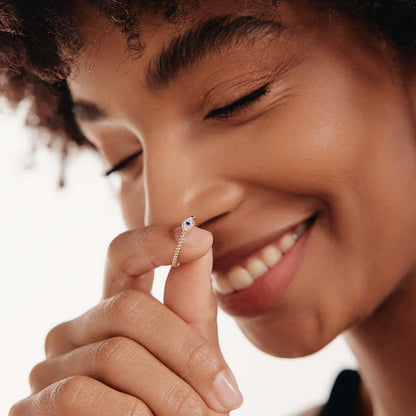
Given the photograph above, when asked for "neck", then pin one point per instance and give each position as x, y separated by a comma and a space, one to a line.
385, 346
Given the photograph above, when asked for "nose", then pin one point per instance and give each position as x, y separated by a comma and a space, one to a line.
182, 180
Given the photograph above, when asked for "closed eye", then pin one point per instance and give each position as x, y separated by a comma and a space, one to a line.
224, 112
123, 164
229, 110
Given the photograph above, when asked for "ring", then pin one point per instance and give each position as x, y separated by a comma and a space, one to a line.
187, 224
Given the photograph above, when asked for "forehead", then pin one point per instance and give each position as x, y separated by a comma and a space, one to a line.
105, 70
106, 49
103, 37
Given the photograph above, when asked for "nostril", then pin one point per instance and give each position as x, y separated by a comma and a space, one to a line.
208, 223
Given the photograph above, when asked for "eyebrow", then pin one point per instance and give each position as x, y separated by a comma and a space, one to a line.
214, 35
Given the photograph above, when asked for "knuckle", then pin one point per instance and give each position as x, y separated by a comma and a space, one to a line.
143, 240
199, 355
147, 239
53, 337
148, 235
124, 305
116, 252
36, 375
153, 259
17, 409
115, 246
65, 395
110, 351
183, 402
138, 408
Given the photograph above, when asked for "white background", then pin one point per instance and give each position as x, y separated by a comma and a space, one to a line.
52, 251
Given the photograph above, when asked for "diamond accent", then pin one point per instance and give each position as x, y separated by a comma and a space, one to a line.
188, 223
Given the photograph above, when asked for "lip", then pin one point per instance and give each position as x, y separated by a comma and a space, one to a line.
268, 289
224, 263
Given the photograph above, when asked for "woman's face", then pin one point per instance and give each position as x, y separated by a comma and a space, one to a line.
329, 130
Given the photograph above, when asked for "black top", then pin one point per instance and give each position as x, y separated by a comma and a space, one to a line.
344, 394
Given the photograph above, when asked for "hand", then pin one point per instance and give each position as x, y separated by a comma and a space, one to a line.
132, 355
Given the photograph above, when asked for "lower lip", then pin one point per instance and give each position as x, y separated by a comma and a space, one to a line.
269, 288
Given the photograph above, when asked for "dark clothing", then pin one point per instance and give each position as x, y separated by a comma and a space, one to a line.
344, 394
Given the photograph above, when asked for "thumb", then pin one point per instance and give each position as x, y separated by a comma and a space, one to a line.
188, 293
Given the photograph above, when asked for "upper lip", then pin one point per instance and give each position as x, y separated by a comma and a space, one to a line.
223, 263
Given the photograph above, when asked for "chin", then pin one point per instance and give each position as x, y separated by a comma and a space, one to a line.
292, 339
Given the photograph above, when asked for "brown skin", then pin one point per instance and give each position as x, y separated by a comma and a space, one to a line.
335, 135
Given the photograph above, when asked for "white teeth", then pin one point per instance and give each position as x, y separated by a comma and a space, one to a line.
221, 284
271, 255
240, 278
287, 241
256, 267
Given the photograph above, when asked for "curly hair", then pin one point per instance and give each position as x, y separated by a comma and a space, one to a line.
39, 41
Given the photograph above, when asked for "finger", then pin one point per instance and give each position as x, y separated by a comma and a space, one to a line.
80, 396
128, 367
133, 255
142, 318
188, 293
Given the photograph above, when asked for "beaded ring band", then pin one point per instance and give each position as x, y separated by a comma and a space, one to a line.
187, 224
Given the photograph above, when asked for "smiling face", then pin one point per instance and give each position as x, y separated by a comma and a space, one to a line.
283, 115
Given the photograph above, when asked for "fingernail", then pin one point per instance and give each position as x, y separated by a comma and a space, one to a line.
193, 236
226, 390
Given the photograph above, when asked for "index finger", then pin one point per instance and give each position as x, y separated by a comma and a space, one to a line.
133, 255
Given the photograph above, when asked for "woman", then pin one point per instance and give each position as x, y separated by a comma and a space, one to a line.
287, 129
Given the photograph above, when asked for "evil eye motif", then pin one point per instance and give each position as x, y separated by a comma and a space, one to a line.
188, 223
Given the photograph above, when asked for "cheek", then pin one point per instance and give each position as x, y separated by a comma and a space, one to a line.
355, 150
133, 203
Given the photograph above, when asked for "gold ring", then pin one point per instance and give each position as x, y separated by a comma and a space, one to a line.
187, 224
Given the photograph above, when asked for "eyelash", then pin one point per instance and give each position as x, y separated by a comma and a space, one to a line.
228, 110
225, 112
123, 164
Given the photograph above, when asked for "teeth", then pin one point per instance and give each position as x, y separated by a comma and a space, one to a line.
256, 267
287, 241
240, 278
271, 255
221, 284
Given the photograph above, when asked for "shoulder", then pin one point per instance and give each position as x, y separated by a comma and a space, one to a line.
312, 412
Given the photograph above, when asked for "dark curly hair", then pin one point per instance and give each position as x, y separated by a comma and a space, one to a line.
39, 41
